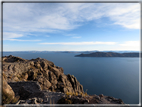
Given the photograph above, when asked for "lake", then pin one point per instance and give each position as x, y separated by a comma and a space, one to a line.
112, 76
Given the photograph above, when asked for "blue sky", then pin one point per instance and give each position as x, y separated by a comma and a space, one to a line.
71, 26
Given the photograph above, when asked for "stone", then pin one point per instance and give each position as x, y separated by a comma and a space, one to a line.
69, 96
56, 72
44, 83
109, 99
46, 74
39, 100
15, 79
101, 95
24, 93
21, 102
51, 76
79, 95
34, 100
26, 76
44, 65
97, 97
32, 63
65, 90
37, 65
7, 92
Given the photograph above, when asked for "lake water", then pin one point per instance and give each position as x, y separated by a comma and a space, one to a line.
115, 76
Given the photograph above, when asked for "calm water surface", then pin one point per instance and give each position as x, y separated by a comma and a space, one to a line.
117, 77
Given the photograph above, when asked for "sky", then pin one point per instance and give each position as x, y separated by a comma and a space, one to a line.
71, 26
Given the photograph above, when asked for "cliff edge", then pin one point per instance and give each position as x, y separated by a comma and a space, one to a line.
39, 81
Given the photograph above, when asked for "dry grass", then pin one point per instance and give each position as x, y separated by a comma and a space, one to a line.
76, 94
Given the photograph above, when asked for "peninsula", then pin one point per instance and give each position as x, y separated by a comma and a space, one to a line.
108, 54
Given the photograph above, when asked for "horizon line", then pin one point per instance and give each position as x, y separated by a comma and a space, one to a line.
69, 51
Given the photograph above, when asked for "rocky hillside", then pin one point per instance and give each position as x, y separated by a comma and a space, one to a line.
45, 72
39, 81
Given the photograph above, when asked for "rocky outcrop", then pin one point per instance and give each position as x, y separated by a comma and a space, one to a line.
39, 81
48, 75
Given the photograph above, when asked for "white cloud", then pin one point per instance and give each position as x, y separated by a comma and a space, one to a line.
47, 36
76, 37
127, 15
80, 43
23, 40
12, 37
131, 43
50, 17
7, 35
70, 34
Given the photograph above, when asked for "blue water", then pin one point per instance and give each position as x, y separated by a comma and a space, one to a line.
115, 76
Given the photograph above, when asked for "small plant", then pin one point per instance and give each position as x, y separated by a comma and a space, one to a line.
73, 94
81, 94
69, 93
85, 94
76, 94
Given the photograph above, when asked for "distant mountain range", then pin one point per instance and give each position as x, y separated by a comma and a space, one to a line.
108, 54
84, 52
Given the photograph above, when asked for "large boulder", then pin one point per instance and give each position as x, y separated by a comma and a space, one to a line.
7, 93
24, 92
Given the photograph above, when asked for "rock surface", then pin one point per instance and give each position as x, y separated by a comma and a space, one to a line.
39, 81
41, 70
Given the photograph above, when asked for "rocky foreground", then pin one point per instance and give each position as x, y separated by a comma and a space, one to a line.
39, 81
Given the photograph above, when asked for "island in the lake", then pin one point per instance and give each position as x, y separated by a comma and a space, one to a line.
108, 54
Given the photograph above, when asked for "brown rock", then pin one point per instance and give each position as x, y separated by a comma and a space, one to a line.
44, 83
56, 72
101, 95
7, 93
65, 90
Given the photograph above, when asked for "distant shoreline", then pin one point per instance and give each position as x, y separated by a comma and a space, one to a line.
108, 54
